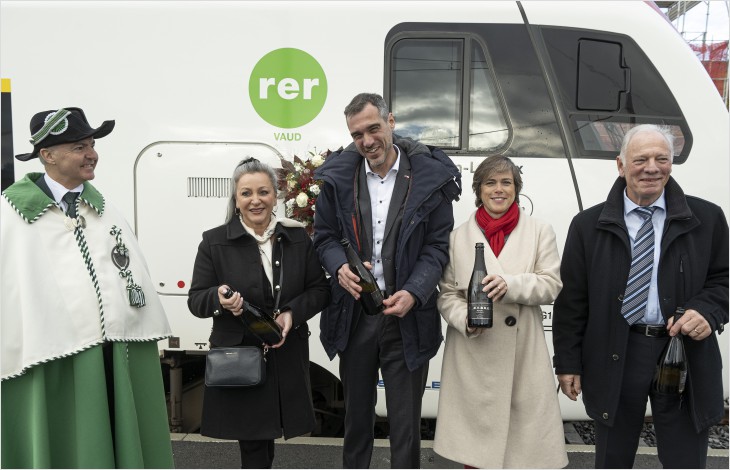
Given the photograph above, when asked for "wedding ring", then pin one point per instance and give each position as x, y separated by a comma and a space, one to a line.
697, 331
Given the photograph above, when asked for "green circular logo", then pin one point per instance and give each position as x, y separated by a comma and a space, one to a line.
287, 88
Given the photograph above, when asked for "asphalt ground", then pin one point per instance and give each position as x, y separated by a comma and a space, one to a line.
196, 451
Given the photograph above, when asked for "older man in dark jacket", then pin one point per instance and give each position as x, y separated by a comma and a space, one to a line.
607, 345
391, 198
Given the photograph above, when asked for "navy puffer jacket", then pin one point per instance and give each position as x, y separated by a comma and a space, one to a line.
422, 247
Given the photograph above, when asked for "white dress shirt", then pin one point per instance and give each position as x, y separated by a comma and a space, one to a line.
60, 190
381, 191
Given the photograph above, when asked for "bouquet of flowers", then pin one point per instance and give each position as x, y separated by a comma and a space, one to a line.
300, 189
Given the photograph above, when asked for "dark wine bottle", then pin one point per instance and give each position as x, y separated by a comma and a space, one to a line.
479, 307
371, 298
261, 323
671, 370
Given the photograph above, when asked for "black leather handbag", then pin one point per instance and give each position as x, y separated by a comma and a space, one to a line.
243, 366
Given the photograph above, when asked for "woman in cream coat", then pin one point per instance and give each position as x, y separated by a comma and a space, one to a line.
498, 407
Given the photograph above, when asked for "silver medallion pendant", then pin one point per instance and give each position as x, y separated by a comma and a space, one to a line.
120, 258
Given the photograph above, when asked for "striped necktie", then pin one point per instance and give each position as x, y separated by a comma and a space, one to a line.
642, 264
70, 199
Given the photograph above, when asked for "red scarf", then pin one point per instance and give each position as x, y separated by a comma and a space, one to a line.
496, 229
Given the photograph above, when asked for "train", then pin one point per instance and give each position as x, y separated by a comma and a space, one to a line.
195, 86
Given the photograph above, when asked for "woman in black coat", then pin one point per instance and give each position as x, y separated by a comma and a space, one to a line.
261, 259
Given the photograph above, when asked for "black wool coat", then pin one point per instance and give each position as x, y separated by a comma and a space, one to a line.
590, 335
229, 255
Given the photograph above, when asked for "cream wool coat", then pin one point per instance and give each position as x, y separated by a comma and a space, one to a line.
497, 406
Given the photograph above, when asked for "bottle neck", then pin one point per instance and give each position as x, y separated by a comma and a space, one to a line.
479, 260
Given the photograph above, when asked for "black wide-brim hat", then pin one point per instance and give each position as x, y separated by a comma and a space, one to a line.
61, 126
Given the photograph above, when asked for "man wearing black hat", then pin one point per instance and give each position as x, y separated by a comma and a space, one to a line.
79, 316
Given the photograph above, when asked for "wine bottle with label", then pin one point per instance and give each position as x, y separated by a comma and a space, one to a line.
479, 307
371, 298
671, 370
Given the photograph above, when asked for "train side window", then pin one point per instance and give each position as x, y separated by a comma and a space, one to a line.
487, 126
427, 87
607, 85
434, 88
606, 136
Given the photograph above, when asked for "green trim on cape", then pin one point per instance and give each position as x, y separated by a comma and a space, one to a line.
30, 202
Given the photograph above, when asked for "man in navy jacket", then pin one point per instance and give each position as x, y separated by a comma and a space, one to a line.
612, 360
392, 199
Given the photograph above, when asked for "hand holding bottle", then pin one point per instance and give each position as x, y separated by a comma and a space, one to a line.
230, 300
349, 280
494, 286
284, 320
691, 324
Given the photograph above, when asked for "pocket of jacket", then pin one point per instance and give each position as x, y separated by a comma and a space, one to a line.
428, 323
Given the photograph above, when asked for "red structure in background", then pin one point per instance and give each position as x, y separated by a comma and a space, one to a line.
714, 56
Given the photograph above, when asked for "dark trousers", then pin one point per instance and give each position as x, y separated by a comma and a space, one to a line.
678, 445
374, 344
257, 454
